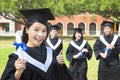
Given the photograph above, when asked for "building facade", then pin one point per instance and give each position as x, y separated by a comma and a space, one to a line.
90, 23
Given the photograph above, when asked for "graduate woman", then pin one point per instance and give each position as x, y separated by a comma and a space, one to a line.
107, 49
39, 62
77, 53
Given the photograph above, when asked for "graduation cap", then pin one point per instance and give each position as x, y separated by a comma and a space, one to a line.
78, 30
108, 24
37, 15
113, 25
54, 27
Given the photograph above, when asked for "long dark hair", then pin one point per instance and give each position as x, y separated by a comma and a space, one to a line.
25, 35
74, 38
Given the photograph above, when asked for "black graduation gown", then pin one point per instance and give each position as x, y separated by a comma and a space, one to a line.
33, 73
109, 68
78, 67
54, 42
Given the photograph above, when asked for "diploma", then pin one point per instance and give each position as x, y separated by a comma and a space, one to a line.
81, 53
21, 48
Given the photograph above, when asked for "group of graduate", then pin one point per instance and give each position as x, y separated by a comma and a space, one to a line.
43, 58
106, 49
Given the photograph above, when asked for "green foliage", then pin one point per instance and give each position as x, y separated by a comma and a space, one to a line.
106, 8
109, 8
6, 48
7, 37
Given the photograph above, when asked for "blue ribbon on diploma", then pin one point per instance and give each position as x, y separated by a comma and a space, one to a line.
106, 50
82, 53
22, 45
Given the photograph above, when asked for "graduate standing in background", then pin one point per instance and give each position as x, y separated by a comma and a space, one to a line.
107, 49
56, 44
38, 61
77, 53
53, 40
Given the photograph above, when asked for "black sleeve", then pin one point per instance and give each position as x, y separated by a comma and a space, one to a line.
97, 48
70, 53
117, 46
9, 72
89, 54
60, 47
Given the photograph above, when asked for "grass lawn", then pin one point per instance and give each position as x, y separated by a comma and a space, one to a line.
6, 48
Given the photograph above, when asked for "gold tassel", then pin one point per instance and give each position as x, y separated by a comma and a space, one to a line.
115, 27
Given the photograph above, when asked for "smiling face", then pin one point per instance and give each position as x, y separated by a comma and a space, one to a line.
37, 33
77, 36
107, 31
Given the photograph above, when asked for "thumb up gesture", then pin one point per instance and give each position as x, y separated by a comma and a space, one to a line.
60, 58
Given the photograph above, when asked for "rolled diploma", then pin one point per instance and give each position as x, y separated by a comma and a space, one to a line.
18, 40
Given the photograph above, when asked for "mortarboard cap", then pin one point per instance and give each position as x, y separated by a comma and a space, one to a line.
78, 30
37, 15
54, 27
108, 24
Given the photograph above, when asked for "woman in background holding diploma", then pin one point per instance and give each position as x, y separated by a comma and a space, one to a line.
77, 53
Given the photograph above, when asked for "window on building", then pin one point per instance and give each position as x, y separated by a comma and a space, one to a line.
92, 29
70, 28
5, 27
82, 25
61, 30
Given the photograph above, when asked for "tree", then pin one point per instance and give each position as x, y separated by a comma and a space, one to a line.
107, 8
10, 8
